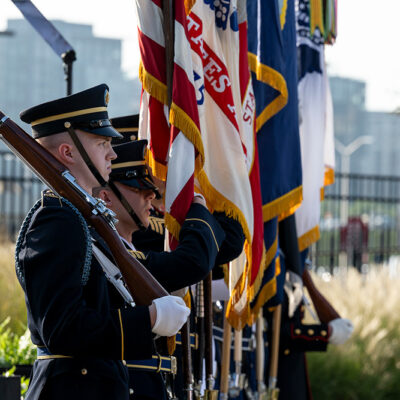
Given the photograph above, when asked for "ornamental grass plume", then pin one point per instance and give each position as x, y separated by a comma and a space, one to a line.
12, 302
368, 365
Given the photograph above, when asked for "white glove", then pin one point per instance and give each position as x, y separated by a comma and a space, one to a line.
172, 313
341, 330
294, 291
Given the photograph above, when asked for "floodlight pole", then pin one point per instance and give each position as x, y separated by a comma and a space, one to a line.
345, 153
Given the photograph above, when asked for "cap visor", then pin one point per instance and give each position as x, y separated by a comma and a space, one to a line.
141, 184
107, 131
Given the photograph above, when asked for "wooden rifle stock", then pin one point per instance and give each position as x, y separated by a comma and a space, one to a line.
143, 287
324, 309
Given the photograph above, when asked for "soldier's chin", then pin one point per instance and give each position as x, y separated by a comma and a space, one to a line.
146, 221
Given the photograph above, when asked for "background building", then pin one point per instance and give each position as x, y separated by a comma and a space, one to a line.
31, 73
353, 120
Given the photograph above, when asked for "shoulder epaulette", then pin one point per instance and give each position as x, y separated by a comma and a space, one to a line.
137, 254
157, 225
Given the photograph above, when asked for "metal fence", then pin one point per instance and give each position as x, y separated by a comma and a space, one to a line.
19, 189
360, 214
360, 221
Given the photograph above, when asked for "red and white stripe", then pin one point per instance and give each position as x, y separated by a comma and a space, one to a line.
170, 145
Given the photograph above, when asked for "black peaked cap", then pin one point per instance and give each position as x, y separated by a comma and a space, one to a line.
86, 110
129, 168
127, 126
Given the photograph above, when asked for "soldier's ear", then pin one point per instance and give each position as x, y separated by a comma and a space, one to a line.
104, 194
65, 154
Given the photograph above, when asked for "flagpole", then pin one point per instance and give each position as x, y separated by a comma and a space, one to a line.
273, 391
210, 392
260, 358
169, 35
168, 27
226, 358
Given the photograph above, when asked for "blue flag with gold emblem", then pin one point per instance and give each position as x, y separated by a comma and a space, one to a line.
273, 62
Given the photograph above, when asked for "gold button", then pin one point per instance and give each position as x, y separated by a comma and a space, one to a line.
297, 331
67, 124
310, 332
286, 352
324, 333
84, 371
124, 362
130, 391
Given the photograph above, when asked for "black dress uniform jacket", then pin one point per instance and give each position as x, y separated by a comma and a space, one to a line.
205, 240
67, 317
200, 240
295, 340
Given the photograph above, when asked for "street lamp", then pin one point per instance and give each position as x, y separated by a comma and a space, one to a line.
345, 153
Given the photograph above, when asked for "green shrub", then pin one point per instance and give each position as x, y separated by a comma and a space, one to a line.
15, 349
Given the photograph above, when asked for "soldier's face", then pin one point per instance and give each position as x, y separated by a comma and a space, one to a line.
100, 152
139, 200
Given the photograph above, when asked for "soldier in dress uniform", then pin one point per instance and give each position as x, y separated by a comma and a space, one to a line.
82, 328
297, 337
201, 240
151, 238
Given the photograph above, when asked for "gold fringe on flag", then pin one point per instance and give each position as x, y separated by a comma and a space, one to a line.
186, 125
316, 17
267, 292
274, 79
283, 14
282, 204
158, 170
152, 85
309, 238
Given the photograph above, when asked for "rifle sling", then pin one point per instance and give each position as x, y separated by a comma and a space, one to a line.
127, 206
85, 156
100, 179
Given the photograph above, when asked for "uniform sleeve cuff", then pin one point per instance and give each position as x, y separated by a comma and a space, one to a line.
136, 335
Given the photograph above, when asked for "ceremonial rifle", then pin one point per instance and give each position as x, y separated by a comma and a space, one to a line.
143, 287
324, 309
199, 355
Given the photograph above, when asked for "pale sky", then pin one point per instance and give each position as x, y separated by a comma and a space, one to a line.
367, 47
